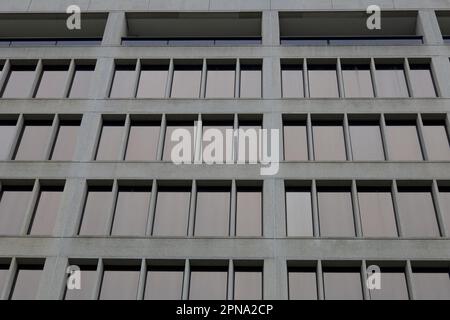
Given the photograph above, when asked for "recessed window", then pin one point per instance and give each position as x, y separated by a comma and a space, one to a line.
124, 81
342, 283
292, 80
34, 140
251, 78
403, 141
97, 211
88, 279
220, 80
377, 212
248, 283
357, 81
335, 212
164, 283
436, 140
170, 144
46, 211
81, 83
66, 141
4, 270
444, 200
19, 82
143, 140
393, 285
249, 211
13, 208
298, 212
26, 282
421, 79
323, 81
7, 134
212, 145
329, 143
295, 141
431, 283
213, 211
208, 284
152, 81
248, 137
366, 141
132, 206
52, 82
119, 283
391, 81
109, 146
302, 283
417, 213
186, 81
172, 211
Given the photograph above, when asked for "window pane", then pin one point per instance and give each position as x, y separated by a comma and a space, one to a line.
52, 83
123, 83
143, 141
247, 285
208, 145
119, 284
323, 83
208, 285
417, 215
87, 280
213, 212
299, 213
295, 143
66, 141
403, 142
13, 208
130, 218
303, 285
7, 132
422, 82
164, 285
444, 201
366, 142
19, 82
393, 286
169, 144
436, 141
172, 211
329, 143
431, 283
391, 82
152, 82
342, 284
34, 140
377, 212
248, 142
220, 83
4, 268
97, 211
109, 145
46, 211
251, 83
357, 82
81, 83
186, 82
335, 213
27, 283
292, 83
249, 213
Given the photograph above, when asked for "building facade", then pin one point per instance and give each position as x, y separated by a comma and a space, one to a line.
87, 181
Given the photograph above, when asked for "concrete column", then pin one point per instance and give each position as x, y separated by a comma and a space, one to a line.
440, 68
271, 78
51, 286
90, 131
270, 28
116, 28
428, 27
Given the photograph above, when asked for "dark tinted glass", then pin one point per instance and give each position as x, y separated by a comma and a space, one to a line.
46, 211
13, 208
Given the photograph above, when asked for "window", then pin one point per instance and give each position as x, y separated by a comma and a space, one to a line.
109, 146
13, 208
295, 141
88, 279
143, 141
416, 211
335, 212
366, 141
393, 285
444, 200
152, 81
377, 212
7, 134
4, 271
172, 211
220, 80
81, 83
431, 283
302, 283
248, 137
97, 211
213, 211
251, 78
52, 82
403, 141
34, 140
211, 127
186, 81
436, 140
164, 283
208, 284
342, 283
66, 141
249, 211
357, 81
130, 218
292, 80
119, 283
124, 81
298, 212
391, 81
46, 211
329, 143
248, 284
26, 283
19, 82
323, 81
421, 79
169, 144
